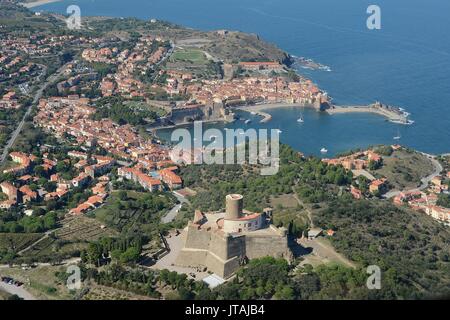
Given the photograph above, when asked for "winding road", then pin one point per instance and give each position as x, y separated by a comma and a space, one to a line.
174, 211
425, 181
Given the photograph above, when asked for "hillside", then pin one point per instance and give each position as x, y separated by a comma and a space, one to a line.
410, 248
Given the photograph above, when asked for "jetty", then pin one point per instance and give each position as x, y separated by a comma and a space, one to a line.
393, 114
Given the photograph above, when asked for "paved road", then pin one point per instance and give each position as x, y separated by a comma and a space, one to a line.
36, 98
174, 211
19, 291
425, 181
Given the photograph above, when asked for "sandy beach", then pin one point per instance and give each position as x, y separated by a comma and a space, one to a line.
37, 3
260, 108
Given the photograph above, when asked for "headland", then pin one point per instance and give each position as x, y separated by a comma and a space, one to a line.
37, 3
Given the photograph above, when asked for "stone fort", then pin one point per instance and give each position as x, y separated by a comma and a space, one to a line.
223, 241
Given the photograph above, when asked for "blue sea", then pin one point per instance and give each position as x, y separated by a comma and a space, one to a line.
406, 63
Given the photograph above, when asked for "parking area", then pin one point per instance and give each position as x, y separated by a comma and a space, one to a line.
12, 286
167, 262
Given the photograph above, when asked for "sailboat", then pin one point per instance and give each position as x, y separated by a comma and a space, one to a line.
300, 119
398, 136
323, 150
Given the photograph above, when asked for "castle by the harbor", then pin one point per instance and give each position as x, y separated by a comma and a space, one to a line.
222, 241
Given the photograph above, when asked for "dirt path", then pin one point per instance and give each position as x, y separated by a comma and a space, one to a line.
325, 251
308, 211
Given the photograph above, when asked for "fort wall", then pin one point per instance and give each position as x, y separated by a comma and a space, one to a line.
222, 253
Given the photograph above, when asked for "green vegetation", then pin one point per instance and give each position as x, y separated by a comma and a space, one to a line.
11, 243
135, 212
404, 168
43, 282
115, 109
125, 250
238, 46
26, 224
194, 61
9, 119
103, 69
214, 182
409, 247
444, 200
270, 278
193, 56
414, 258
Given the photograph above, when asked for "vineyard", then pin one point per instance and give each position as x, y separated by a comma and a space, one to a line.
68, 241
17, 241
81, 228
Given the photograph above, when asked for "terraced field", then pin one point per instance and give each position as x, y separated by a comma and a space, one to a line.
82, 228
17, 241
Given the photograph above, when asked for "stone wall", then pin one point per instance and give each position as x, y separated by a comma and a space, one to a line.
197, 239
190, 258
258, 246
222, 253
214, 111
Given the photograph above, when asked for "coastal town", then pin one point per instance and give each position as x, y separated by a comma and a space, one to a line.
86, 181
69, 117
424, 199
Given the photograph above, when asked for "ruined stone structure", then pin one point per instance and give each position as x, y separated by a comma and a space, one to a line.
189, 113
222, 241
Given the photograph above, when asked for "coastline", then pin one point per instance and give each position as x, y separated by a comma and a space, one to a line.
259, 109
37, 3
181, 124
389, 114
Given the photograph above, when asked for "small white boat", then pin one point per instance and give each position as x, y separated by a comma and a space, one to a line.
279, 131
300, 120
323, 150
398, 136
248, 121
253, 112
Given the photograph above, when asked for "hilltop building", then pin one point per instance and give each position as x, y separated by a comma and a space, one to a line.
223, 241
